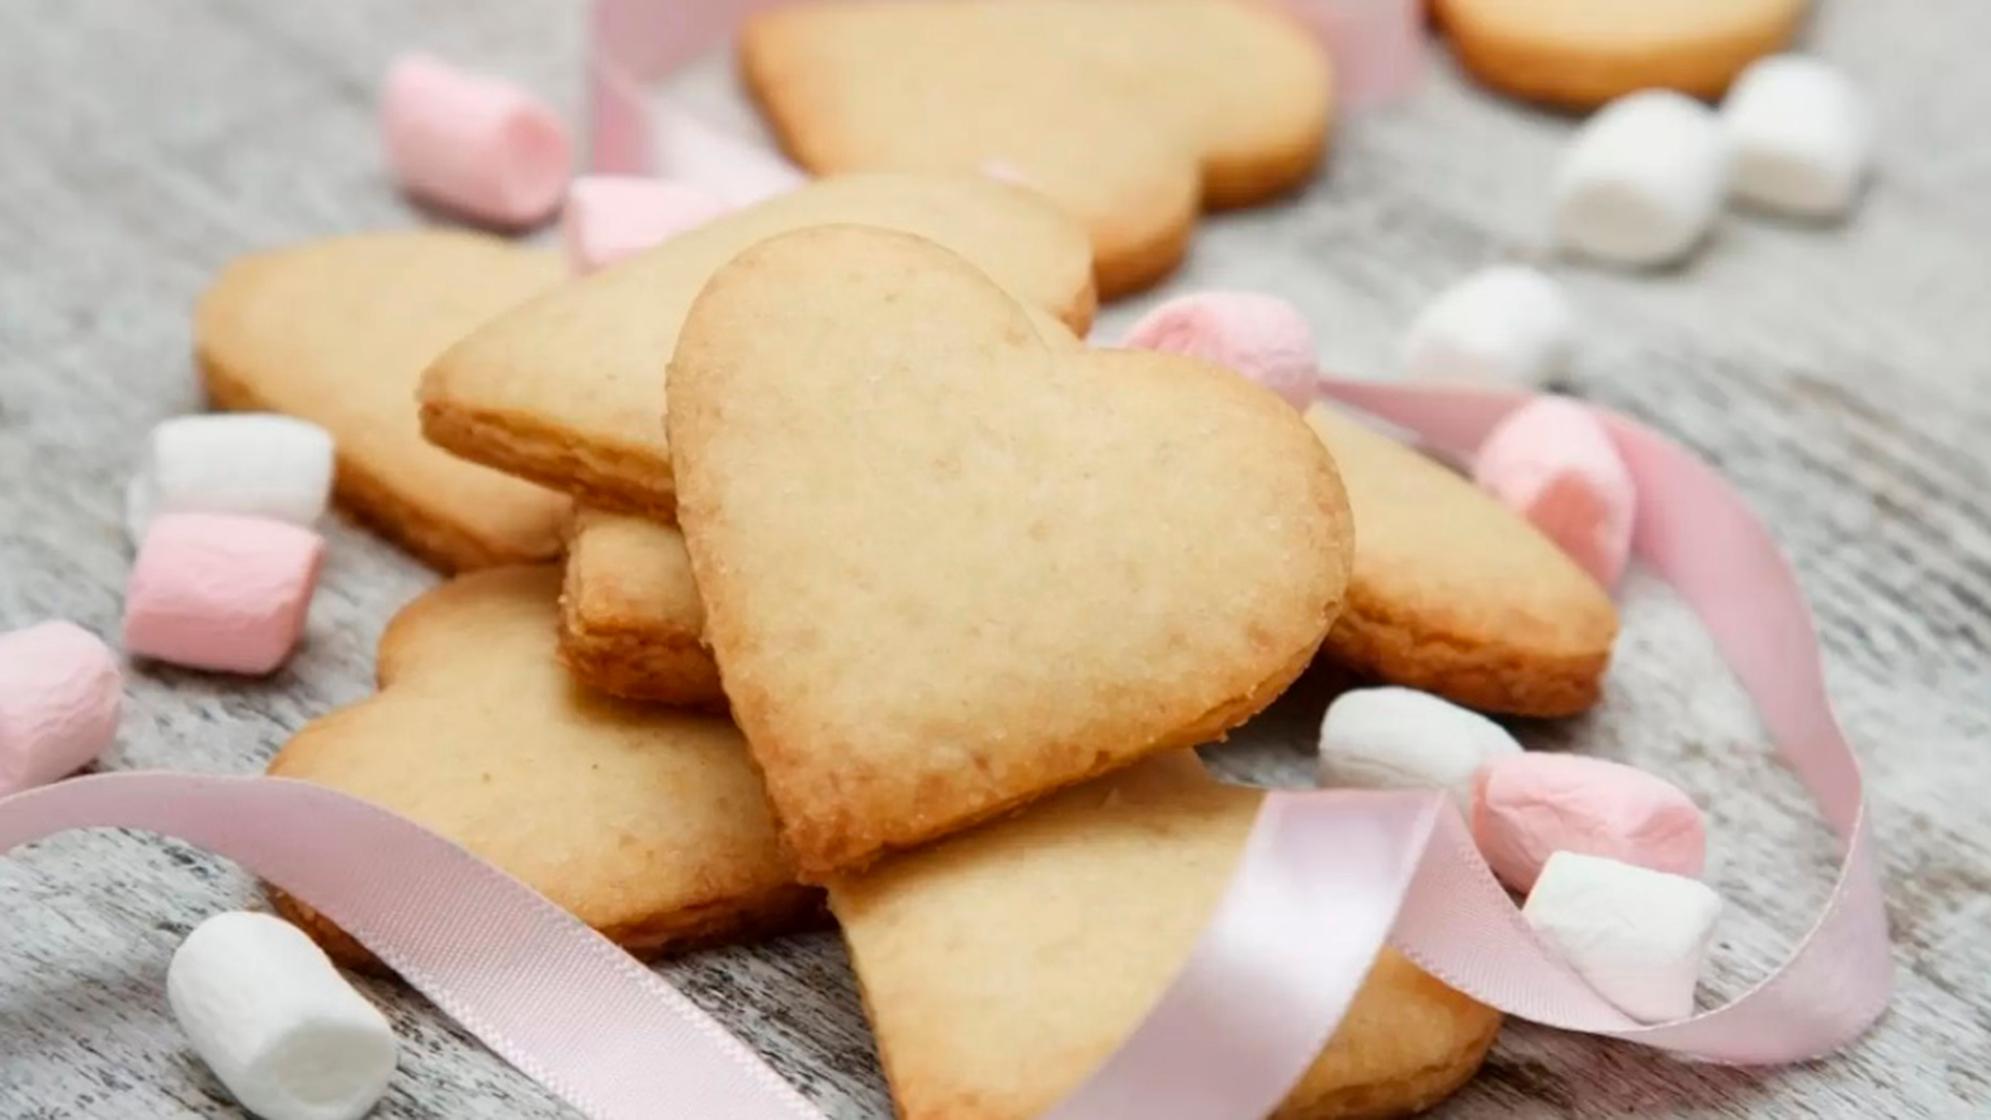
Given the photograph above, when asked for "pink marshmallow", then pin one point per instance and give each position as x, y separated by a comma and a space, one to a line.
478, 145
609, 217
1553, 462
59, 695
1262, 337
1529, 806
218, 592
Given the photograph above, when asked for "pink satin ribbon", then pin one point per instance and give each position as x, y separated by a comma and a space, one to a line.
1329, 876
556, 999
1325, 879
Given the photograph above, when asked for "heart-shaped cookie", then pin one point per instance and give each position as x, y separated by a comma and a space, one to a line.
1503, 624
647, 823
566, 391
1002, 966
631, 621
1582, 53
949, 565
1131, 114
1456, 594
338, 332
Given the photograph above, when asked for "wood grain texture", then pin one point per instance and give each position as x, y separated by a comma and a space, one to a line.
1842, 378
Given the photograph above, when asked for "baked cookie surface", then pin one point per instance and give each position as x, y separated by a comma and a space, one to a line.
1131, 114
647, 823
1582, 53
338, 332
631, 622
1454, 593
1001, 966
568, 390
949, 564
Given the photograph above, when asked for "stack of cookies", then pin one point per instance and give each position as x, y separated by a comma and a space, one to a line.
812, 549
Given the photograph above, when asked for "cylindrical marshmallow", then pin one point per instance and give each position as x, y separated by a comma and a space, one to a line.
1642, 180
1552, 462
1261, 337
1400, 738
217, 592
1638, 936
1527, 807
1799, 136
60, 690
257, 464
1505, 325
609, 217
264, 1008
474, 144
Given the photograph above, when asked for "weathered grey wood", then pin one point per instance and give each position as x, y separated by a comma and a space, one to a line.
1842, 377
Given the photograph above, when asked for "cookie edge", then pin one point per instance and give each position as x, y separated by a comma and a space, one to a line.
445, 546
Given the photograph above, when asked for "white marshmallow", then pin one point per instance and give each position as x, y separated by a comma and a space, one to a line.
1799, 136
265, 1009
1508, 325
255, 464
1638, 936
1400, 738
1642, 180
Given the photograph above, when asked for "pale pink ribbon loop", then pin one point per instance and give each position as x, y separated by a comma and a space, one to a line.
556, 999
1700, 536
1327, 873
1326, 878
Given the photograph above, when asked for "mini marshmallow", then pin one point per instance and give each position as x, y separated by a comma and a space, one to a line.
60, 690
1642, 180
1400, 738
474, 144
1638, 936
1552, 462
264, 1008
220, 592
257, 464
1799, 136
1526, 807
609, 217
1508, 324
1262, 337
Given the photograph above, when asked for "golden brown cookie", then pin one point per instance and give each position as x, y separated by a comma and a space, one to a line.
1132, 114
646, 823
1582, 53
631, 622
1455, 594
337, 332
569, 389
949, 565
1000, 967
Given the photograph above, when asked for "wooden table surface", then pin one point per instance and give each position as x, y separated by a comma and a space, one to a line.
1840, 376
